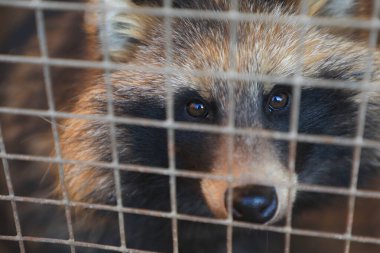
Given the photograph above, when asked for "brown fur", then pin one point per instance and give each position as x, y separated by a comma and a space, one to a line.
275, 45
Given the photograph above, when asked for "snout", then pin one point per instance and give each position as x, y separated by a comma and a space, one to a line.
259, 196
253, 203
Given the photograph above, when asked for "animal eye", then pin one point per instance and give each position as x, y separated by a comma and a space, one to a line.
197, 109
278, 101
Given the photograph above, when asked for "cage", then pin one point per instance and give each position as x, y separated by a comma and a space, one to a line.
112, 138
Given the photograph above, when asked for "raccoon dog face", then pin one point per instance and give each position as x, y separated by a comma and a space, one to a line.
259, 166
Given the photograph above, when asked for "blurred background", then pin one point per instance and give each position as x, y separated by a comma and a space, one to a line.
22, 86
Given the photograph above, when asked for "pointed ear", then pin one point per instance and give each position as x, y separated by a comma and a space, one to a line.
119, 30
336, 8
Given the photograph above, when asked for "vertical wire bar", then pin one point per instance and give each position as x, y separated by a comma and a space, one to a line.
11, 194
170, 120
107, 77
361, 119
51, 104
294, 119
232, 65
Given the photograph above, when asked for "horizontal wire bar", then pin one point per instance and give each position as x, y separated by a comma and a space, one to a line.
183, 217
229, 74
75, 243
195, 175
199, 14
271, 134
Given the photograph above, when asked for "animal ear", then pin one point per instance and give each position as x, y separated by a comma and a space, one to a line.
336, 8
120, 30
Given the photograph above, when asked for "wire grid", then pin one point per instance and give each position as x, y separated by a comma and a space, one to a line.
170, 120
292, 136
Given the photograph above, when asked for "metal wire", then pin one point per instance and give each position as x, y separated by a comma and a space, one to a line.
361, 119
112, 127
234, 10
297, 82
228, 75
276, 135
170, 120
294, 231
293, 126
11, 195
50, 98
200, 14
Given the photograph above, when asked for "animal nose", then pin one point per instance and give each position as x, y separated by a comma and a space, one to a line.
254, 203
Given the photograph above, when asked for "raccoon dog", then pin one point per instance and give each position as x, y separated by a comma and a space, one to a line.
259, 166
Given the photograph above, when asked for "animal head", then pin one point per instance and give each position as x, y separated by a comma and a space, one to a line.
259, 166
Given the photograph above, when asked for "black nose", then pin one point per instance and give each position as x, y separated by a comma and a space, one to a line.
254, 203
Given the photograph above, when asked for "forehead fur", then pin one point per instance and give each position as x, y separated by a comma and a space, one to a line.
261, 49
243, 5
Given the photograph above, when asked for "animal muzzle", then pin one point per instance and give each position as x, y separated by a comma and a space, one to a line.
259, 196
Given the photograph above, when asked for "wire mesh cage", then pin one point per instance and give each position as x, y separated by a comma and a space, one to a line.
189, 126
